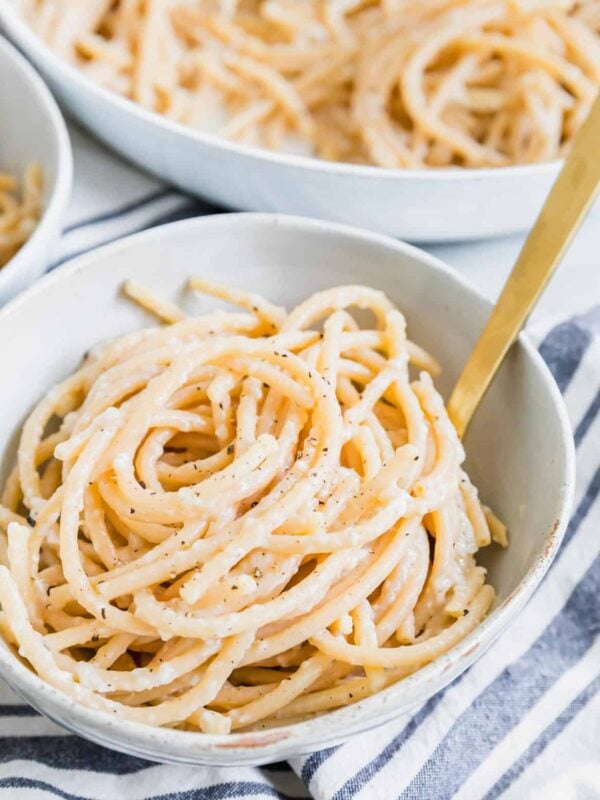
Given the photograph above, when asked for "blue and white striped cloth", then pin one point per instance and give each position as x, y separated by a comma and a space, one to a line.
522, 723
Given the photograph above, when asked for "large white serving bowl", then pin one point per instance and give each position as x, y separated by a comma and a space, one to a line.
520, 450
418, 205
32, 130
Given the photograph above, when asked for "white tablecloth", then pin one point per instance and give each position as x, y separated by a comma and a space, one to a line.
524, 722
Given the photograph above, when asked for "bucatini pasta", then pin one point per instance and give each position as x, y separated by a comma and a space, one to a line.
244, 518
19, 212
395, 83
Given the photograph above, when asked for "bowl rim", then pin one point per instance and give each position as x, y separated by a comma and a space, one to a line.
59, 193
29, 40
322, 730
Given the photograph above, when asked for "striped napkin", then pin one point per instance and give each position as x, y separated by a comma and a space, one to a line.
522, 723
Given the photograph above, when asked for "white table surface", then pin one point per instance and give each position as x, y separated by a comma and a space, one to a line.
574, 288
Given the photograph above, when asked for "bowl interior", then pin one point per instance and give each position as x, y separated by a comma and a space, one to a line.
519, 427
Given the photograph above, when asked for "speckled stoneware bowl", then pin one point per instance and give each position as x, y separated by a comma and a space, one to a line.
521, 425
32, 130
421, 205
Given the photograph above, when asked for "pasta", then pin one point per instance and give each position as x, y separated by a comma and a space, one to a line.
19, 216
394, 83
244, 518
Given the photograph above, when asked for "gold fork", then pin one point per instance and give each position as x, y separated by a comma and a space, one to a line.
564, 210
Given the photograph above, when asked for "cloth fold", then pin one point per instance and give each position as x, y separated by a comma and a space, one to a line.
522, 723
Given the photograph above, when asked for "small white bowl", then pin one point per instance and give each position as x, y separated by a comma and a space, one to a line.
32, 130
520, 446
419, 205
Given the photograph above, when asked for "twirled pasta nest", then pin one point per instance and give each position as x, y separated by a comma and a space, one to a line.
242, 518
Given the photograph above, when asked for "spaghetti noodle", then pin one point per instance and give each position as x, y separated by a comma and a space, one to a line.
244, 518
394, 83
19, 216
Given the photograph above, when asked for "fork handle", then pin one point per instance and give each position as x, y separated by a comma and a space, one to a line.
563, 212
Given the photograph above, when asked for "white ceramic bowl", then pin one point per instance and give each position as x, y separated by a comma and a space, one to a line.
521, 425
418, 205
32, 129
